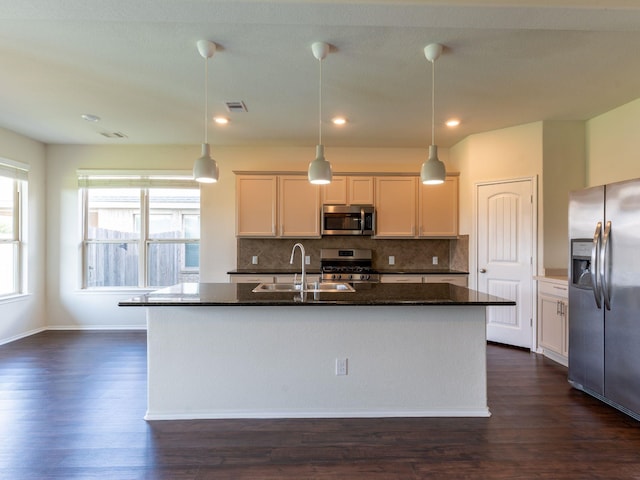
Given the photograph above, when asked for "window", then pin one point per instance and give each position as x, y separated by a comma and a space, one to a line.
139, 231
13, 187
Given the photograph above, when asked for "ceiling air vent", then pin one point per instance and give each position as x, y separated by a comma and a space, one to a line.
236, 107
113, 134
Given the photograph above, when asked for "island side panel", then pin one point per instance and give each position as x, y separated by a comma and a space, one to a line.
279, 362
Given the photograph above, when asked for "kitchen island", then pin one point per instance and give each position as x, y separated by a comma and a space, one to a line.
384, 350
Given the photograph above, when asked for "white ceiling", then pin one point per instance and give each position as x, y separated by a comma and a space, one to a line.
135, 64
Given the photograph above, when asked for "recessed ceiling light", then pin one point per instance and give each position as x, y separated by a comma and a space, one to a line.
90, 118
454, 122
339, 121
221, 120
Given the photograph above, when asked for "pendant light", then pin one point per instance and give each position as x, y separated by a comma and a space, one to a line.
433, 171
205, 169
320, 168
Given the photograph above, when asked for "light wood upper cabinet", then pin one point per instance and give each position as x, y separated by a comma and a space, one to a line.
256, 197
360, 190
299, 207
348, 190
438, 209
335, 193
396, 206
287, 205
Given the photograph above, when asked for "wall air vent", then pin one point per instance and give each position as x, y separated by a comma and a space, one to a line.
113, 135
236, 107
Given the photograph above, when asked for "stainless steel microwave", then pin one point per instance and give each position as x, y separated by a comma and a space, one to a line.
348, 220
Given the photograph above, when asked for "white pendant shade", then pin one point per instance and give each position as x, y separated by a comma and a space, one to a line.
320, 169
205, 169
432, 171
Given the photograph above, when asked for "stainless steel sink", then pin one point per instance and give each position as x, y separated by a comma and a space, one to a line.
329, 287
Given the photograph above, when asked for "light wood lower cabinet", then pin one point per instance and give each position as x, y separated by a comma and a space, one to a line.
246, 278
393, 278
553, 320
257, 278
459, 280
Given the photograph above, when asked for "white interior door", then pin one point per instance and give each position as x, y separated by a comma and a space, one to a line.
505, 254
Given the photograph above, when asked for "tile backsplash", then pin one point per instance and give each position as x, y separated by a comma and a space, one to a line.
409, 254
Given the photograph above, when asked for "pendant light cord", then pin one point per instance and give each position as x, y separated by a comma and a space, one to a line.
206, 98
433, 102
320, 104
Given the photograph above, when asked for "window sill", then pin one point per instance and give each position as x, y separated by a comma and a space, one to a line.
116, 291
18, 297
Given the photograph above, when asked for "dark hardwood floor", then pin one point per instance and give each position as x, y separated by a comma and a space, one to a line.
71, 407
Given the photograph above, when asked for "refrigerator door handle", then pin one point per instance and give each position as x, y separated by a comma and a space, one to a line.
595, 270
605, 266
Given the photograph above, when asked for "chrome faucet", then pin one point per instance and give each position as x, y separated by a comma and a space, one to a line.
302, 253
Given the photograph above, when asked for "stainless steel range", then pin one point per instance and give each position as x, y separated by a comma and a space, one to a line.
347, 265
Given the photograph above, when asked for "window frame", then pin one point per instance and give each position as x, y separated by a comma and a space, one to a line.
18, 173
144, 181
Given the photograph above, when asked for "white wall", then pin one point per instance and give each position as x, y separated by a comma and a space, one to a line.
509, 153
612, 149
25, 314
563, 171
70, 307
613, 145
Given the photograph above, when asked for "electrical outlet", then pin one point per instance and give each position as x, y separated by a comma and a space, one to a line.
307, 259
392, 260
341, 366
254, 260
434, 260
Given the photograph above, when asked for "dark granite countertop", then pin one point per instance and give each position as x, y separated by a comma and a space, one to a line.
240, 294
315, 271
272, 271
417, 271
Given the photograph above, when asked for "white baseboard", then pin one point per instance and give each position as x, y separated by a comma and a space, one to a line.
561, 359
22, 335
474, 412
96, 327
142, 328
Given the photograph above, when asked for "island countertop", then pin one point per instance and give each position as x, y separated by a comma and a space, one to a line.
371, 294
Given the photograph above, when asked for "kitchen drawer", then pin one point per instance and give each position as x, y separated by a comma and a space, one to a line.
242, 278
555, 289
400, 278
460, 280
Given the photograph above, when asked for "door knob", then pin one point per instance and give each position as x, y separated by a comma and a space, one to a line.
483, 270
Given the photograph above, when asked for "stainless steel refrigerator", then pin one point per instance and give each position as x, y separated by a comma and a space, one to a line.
604, 294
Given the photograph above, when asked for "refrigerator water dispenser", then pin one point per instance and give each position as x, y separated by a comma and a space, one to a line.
581, 263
